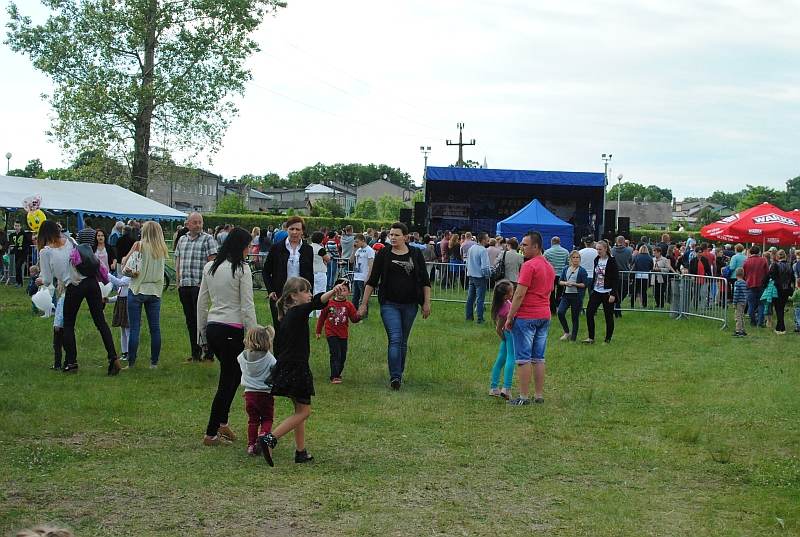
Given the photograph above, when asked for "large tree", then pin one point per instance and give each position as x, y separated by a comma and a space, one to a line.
127, 71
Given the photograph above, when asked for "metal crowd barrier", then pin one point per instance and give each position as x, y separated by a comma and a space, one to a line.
449, 282
679, 295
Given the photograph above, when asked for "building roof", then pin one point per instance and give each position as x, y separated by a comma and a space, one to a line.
316, 188
258, 195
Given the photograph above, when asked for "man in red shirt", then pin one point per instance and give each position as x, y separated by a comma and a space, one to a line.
755, 274
529, 318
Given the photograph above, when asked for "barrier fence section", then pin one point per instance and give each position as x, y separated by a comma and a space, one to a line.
679, 295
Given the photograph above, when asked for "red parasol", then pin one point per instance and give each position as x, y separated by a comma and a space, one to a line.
763, 223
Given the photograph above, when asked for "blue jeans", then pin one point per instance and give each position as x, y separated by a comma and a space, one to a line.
754, 308
570, 301
530, 339
476, 294
505, 362
397, 321
152, 307
333, 271
358, 292
797, 318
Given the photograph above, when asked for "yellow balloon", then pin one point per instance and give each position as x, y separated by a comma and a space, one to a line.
35, 220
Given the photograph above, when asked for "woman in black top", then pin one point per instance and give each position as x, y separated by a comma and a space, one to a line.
288, 258
404, 284
604, 291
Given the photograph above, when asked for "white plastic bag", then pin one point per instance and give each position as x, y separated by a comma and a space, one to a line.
43, 301
105, 289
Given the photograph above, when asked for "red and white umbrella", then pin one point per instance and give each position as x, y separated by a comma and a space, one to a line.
765, 223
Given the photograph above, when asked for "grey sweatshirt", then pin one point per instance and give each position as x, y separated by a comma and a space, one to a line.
256, 368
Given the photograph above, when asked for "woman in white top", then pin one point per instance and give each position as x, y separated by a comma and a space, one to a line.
54, 261
227, 286
321, 259
145, 291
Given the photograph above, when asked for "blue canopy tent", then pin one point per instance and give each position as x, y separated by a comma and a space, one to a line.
535, 217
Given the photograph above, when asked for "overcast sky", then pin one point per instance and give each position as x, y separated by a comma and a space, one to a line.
693, 95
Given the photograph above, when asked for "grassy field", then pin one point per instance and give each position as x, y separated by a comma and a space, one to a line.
675, 429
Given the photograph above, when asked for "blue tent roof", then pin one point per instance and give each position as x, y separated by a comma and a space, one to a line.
525, 177
535, 217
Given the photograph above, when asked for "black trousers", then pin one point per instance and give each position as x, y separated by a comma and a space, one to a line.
555, 295
779, 303
19, 260
660, 293
595, 299
227, 343
73, 297
338, 349
188, 297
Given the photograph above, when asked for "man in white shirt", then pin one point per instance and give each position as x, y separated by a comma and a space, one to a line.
478, 273
361, 259
588, 254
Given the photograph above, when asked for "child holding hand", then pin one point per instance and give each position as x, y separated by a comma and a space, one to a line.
291, 376
336, 316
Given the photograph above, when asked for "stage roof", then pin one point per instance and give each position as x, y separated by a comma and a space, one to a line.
87, 198
520, 177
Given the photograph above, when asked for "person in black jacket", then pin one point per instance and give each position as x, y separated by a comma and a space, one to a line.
604, 291
404, 285
781, 274
288, 258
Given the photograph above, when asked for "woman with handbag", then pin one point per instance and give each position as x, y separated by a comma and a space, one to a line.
287, 258
403, 284
57, 260
145, 266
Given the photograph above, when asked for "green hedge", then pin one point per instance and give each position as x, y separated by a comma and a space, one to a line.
655, 235
313, 223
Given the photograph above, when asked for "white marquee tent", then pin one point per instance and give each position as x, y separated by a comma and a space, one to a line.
91, 199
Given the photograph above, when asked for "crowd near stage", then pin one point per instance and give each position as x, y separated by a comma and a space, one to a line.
475, 199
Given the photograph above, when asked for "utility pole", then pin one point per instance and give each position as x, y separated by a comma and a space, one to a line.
461, 143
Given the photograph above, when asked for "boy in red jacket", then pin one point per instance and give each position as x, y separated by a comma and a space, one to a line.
336, 317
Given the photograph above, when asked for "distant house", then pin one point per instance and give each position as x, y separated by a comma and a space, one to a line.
280, 200
645, 213
184, 189
380, 187
687, 211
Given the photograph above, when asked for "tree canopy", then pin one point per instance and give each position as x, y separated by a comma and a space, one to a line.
128, 71
635, 191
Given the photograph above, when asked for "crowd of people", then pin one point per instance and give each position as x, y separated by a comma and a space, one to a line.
316, 275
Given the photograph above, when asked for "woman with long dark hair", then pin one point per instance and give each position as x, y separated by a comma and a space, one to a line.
54, 260
287, 258
227, 286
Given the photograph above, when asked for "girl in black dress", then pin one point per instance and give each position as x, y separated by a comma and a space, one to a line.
291, 376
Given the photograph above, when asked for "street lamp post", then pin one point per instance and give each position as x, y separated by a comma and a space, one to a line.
619, 193
8, 162
606, 159
425, 150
